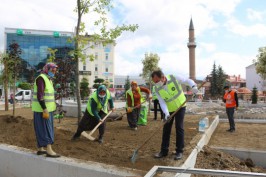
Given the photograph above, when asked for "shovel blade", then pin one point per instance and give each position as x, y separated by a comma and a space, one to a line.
86, 135
134, 156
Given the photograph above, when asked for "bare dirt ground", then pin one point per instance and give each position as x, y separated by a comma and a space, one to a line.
247, 135
119, 141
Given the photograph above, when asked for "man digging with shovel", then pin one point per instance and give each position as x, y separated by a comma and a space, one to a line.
172, 98
96, 111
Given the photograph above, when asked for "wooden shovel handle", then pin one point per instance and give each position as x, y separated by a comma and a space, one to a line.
95, 128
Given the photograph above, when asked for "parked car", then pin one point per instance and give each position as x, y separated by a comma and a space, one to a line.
23, 95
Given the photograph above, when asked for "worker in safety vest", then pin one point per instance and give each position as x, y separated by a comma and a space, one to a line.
156, 104
134, 99
231, 103
96, 110
171, 97
43, 106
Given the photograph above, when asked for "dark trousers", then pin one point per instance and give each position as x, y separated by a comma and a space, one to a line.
88, 122
133, 117
179, 126
156, 102
230, 114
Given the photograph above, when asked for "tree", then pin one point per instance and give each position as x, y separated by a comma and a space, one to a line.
101, 7
150, 63
214, 86
261, 62
221, 79
97, 82
12, 66
24, 86
254, 96
6, 76
84, 88
127, 85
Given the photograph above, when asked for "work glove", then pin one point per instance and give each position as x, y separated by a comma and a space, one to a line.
129, 110
45, 114
166, 118
195, 89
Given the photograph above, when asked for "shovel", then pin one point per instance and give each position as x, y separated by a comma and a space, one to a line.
89, 136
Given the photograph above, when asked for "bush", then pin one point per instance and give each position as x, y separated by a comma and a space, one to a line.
24, 86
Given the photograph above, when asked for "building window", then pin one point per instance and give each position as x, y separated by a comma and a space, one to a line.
96, 77
96, 67
84, 67
106, 56
96, 56
106, 69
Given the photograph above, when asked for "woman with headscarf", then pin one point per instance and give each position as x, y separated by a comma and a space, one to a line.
96, 110
43, 106
133, 103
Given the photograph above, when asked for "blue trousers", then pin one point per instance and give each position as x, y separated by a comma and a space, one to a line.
180, 134
44, 129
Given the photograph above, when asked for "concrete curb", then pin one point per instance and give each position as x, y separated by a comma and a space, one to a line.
206, 136
21, 162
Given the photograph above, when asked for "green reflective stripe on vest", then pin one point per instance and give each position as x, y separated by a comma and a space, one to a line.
132, 97
48, 97
173, 96
99, 105
154, 96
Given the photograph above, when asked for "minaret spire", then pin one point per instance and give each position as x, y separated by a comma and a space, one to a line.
191, 45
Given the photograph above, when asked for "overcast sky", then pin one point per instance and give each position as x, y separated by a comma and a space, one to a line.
228, 32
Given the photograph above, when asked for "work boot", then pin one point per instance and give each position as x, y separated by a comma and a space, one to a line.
178, 156
100, 139
75, 137
160, 155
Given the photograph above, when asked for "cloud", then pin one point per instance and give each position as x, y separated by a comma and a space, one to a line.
254, 15
235, 26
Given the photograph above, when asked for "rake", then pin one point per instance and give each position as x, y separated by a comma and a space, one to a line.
135, 153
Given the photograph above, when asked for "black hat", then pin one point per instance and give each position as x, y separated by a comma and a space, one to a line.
226, 87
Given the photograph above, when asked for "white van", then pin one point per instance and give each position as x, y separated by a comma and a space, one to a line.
23, 95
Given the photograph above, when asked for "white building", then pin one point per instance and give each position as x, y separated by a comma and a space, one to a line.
102, 66
254, 79
120, 81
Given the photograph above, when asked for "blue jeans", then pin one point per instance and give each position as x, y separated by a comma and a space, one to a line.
230, 114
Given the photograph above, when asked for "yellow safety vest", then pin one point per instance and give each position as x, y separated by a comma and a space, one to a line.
154, 96
174, 96
132, 97
48, 97
99, 105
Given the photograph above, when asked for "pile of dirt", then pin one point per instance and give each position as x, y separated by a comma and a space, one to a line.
210, 158
119, 141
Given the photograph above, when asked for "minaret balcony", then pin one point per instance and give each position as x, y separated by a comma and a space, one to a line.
191, 44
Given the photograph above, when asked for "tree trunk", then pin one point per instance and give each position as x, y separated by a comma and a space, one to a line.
6, 86
77, 60
14, 92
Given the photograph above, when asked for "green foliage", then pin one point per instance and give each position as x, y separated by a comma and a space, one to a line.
221, 80
24, 86
254, 96
51, 54
127, 84
261, 62
150, 63
99, 7
84, 88
98, 82
218, 81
